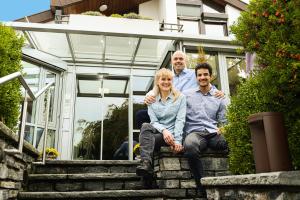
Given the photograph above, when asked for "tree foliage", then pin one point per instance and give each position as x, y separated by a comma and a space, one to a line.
270, 28
115, 131
10, 62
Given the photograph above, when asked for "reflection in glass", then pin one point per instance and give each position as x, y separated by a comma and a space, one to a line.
236, 68
50, 77
87, 130
30, 116
28, 134
40, 138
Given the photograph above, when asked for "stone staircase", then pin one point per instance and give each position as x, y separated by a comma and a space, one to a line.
91, 180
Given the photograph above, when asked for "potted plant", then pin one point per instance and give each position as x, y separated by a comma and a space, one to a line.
51, 153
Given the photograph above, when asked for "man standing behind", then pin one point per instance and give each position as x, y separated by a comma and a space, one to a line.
204, 115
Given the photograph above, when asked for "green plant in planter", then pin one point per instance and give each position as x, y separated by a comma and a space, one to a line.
271, 30
135, 16
52, 153
10, 62
116, 15
92, 13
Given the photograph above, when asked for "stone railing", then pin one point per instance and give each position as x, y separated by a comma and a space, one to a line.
13, 166
172, 170
273, 185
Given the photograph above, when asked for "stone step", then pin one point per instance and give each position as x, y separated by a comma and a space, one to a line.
154, 194
86, 166
83, 182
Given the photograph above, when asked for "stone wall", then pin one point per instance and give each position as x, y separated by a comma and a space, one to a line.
269, 186
13, 166
172, 170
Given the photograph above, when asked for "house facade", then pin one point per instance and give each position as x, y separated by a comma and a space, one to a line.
100, 64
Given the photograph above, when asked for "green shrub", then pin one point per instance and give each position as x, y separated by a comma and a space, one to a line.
135, 16
271, 29
116, 15
92, 13
10, 62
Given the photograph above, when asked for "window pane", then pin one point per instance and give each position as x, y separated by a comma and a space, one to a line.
188, 10
28, 134
32, 78
31, 75
40, 139
50, 77
191, 27
114, 86
85, 139
31, 108
236, 68
215, 30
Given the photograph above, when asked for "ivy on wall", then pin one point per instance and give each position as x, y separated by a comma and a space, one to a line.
10, 62
270, 28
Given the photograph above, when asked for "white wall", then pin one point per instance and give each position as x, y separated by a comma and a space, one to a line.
233, 15
162, 10
168, 11
150, 9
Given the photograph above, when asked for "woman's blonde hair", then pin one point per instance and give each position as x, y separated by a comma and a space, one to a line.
164, 73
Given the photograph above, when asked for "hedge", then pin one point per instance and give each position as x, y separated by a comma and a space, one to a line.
10, 62
270, 28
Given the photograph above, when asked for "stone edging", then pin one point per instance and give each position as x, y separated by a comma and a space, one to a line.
13, 138
282, 178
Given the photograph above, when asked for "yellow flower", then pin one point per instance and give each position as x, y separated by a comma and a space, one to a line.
136, 148
52, 151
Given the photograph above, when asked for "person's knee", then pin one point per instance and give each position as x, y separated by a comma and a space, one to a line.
222, 145
191, 147
146, 128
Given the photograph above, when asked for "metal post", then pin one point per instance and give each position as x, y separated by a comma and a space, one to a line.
23, 123
46, 124
130, 118
102, 107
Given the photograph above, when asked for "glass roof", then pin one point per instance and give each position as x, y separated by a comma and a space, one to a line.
135, 53
85, 48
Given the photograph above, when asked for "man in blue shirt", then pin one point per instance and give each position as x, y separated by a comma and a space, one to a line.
204, 115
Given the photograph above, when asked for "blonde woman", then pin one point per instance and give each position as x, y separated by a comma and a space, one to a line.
167, 117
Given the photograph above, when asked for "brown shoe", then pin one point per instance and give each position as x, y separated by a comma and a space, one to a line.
144, 169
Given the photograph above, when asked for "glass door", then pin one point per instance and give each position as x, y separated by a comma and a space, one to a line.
101, 116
